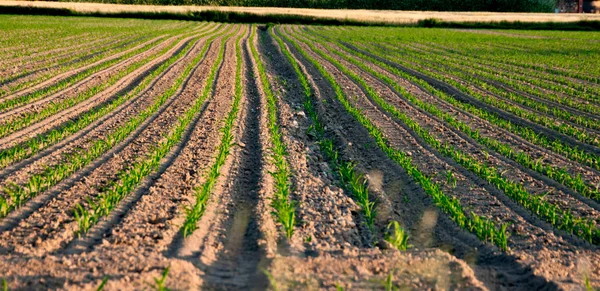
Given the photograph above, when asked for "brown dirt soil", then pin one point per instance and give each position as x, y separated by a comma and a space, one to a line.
65, 75
496, 205
81, 86
57, 235
239, 245
122, 86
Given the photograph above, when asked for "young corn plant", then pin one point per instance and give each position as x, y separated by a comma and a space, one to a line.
284, 209
449, 205
202, 193
397, 236
160, 283
130, 178
353, 182
77, 160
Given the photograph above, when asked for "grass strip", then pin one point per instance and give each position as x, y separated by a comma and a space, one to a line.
16, 195
38, 143
202, 193
563, 219
482, 227
130, 178
284, 207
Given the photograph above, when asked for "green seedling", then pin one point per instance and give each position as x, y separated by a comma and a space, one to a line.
396, 236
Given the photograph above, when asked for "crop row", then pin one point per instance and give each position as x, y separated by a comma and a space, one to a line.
484, 228
130, 178
481, 79
444, 75
56, 106
67, 82
560, 218
284, 207
561, 175
350, 179
27, 149
80, 58
202, 192
17, 194
551, 82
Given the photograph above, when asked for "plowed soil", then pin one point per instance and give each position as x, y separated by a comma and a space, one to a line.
204, 78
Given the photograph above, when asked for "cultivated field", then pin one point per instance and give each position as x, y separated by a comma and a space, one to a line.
138, 154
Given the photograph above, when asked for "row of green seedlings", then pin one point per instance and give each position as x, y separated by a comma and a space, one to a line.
30, 147
94, 41
538, 65
351, 180
560, 175
532, 53
59, 64
81, 44
444, 75
158, 285
284, 207
469, 74
130, 178
28, 118
555, 145
16, 195
30, 40
553, 82
98, 57
63, 68
465, 71
483, 228
518, 79
202, 193
563, 219
67, 82
53, 59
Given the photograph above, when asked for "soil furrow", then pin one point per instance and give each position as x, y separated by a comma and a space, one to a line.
328, 216
230, 257
162, 194
68, 74
535, 183
484, 201
35, 106
121, 87
459, 95
54, 236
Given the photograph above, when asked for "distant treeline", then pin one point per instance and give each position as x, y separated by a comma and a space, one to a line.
424, 5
